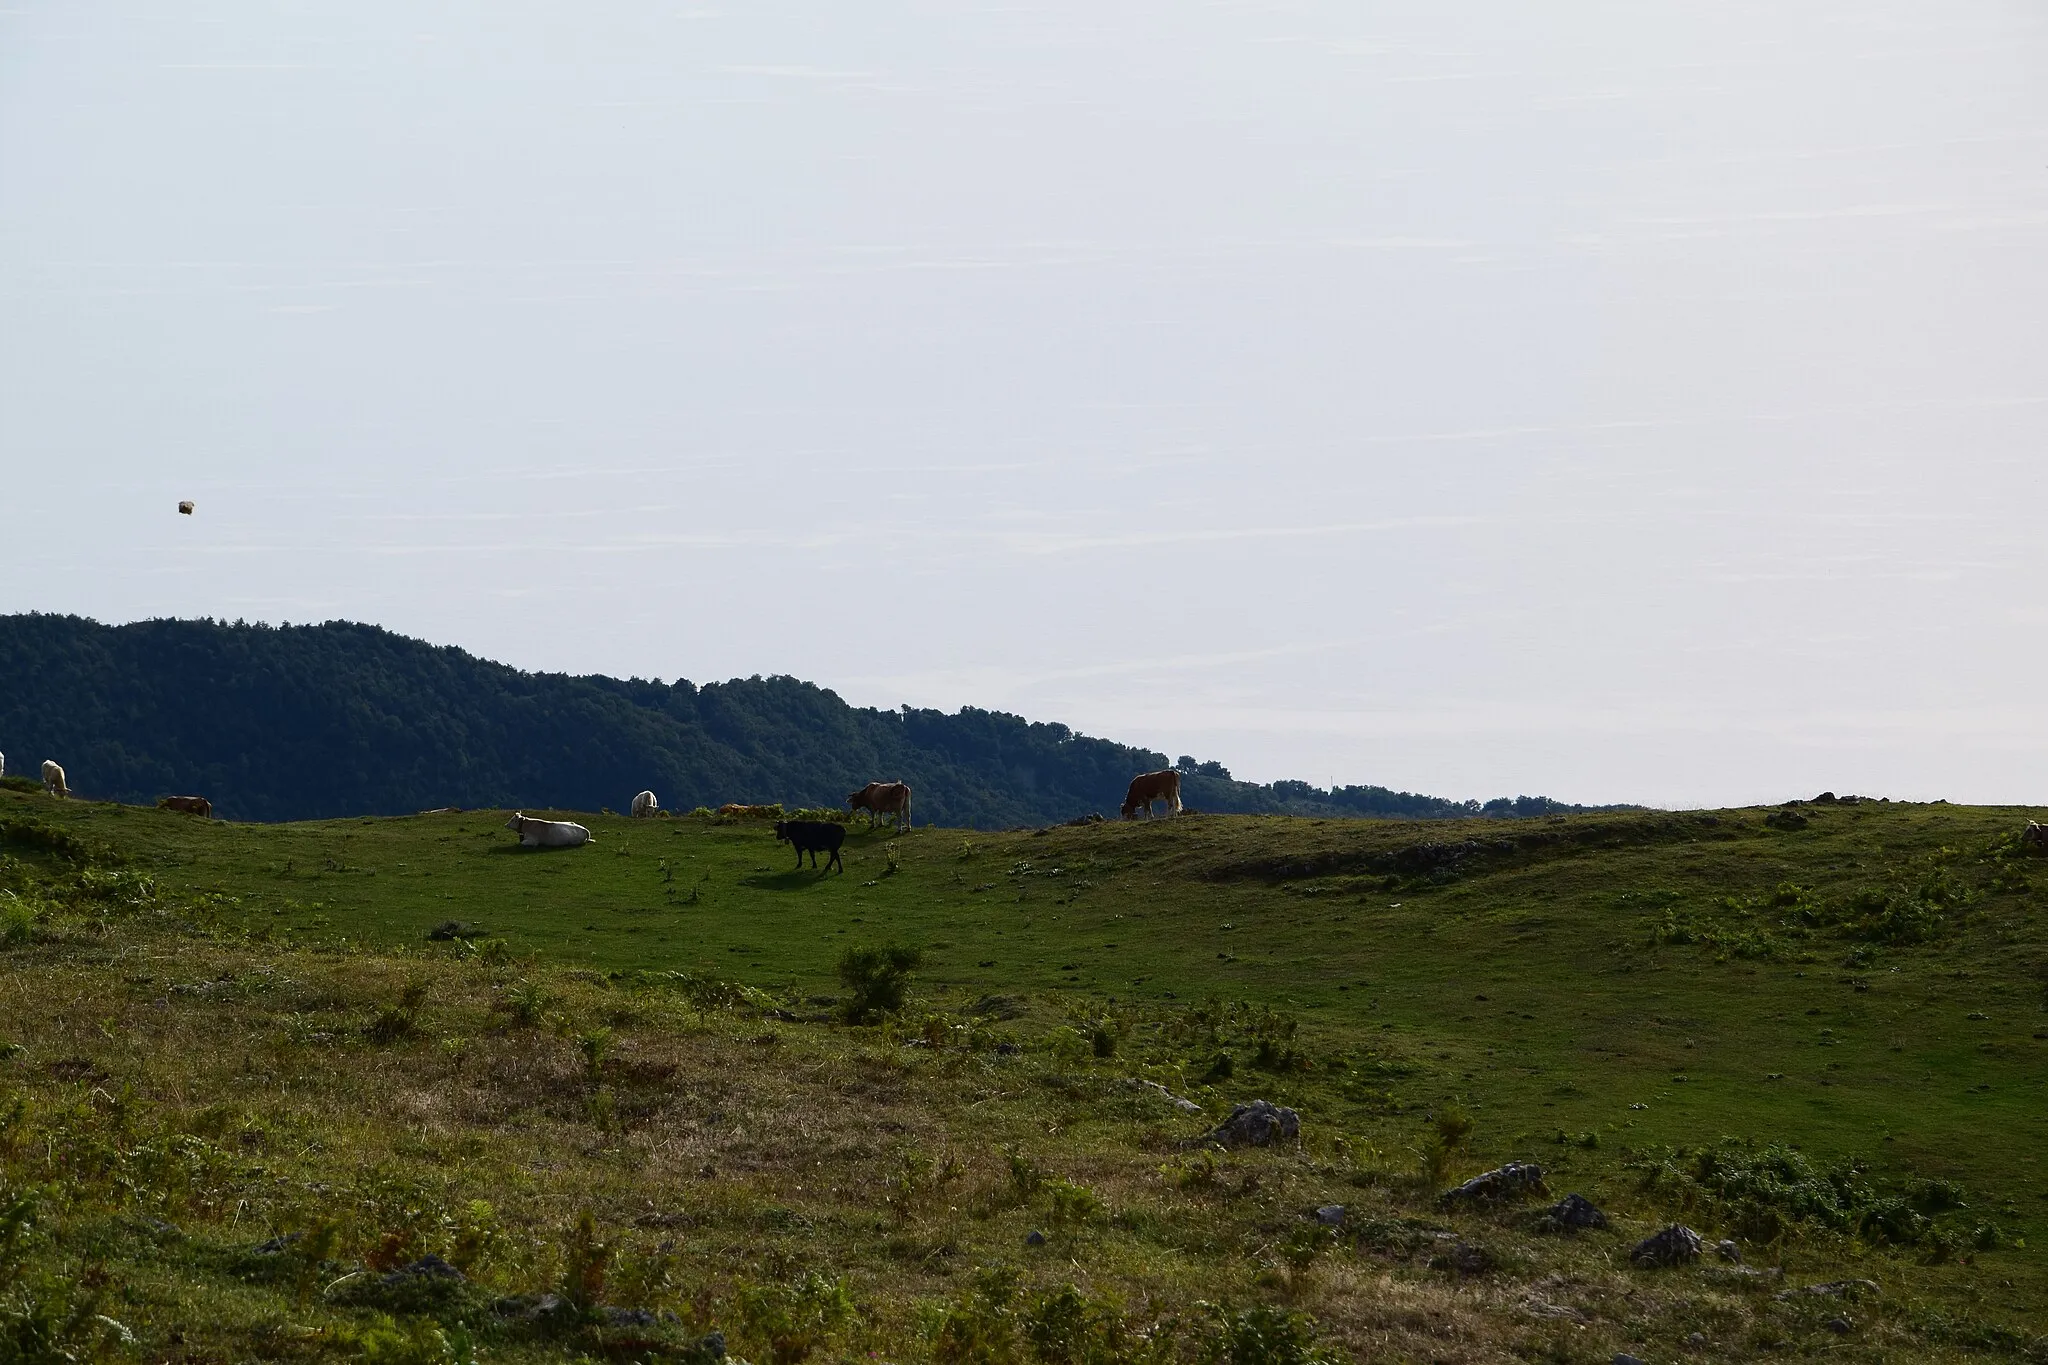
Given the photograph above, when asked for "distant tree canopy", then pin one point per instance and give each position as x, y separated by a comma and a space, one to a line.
306, 722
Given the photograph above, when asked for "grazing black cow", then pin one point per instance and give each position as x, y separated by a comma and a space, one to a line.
813, 837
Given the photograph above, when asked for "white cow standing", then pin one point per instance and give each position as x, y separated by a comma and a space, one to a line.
548, 833
645, 804
53, 778
3, 765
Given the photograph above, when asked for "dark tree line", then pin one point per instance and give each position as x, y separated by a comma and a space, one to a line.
305, 722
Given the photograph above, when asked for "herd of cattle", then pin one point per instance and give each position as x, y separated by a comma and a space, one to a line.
806, 836
878, 799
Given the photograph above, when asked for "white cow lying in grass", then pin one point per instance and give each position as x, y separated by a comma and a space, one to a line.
644, 804
548, 833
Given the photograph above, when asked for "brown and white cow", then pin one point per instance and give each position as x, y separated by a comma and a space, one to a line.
1147, 788
53, 778
191, 805
883, 798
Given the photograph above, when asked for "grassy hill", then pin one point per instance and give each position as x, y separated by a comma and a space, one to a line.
245, 1085
307, 722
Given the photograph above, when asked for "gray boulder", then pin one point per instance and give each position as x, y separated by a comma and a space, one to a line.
1516, 1180
1573, 1213
1258, 1124
1674, 1246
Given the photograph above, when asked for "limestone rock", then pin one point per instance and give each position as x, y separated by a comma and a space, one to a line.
1516, 1180
1258, 1124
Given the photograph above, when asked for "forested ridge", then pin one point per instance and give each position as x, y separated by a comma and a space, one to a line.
306, 722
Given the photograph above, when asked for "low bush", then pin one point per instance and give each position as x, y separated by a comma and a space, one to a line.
1765, 1194
876, 980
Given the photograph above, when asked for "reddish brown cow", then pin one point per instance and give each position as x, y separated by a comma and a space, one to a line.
1147, 788
883, 798
191, 805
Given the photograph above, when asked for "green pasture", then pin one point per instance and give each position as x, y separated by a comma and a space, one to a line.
1526, 983
1859, 983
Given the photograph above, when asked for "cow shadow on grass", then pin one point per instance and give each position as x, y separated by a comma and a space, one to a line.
522, 848
793, 879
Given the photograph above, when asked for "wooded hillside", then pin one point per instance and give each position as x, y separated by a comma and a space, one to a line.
305, 722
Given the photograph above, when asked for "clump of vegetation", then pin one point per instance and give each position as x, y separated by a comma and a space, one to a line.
1450, 1128
877, 980
795, 1319
1768, 1193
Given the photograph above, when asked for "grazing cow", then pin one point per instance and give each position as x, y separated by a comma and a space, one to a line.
883, 798
644, 804
1147, 788
813, 837
191, 805
2034, 838
53, 778
3, 765
548, 833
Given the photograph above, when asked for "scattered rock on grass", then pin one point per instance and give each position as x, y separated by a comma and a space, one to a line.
1331, 1215
423, 1286
448, 930
1841, 1327
1034, 1238
1516, 1180
1185, 1106
1786, 819
1833, 1289
1674, 1246
427, 1267
1573, 1213
1258, 1124
1728, 1251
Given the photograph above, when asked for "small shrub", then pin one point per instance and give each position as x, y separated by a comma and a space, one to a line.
526, 1002
594, 1047
420, 1341
1196, 1172
1072, 1204
585, 1259
1450, 1128
980, 1328
876, 979
794, 1320
916, 1177
392, 1024
1102, 1039
1064, 1328
1262, 1336
476, 1236
1026, 1178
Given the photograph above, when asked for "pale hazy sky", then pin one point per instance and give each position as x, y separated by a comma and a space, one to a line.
1619, 401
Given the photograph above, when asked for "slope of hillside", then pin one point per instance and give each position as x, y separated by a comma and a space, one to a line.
307, 722
242, 1086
